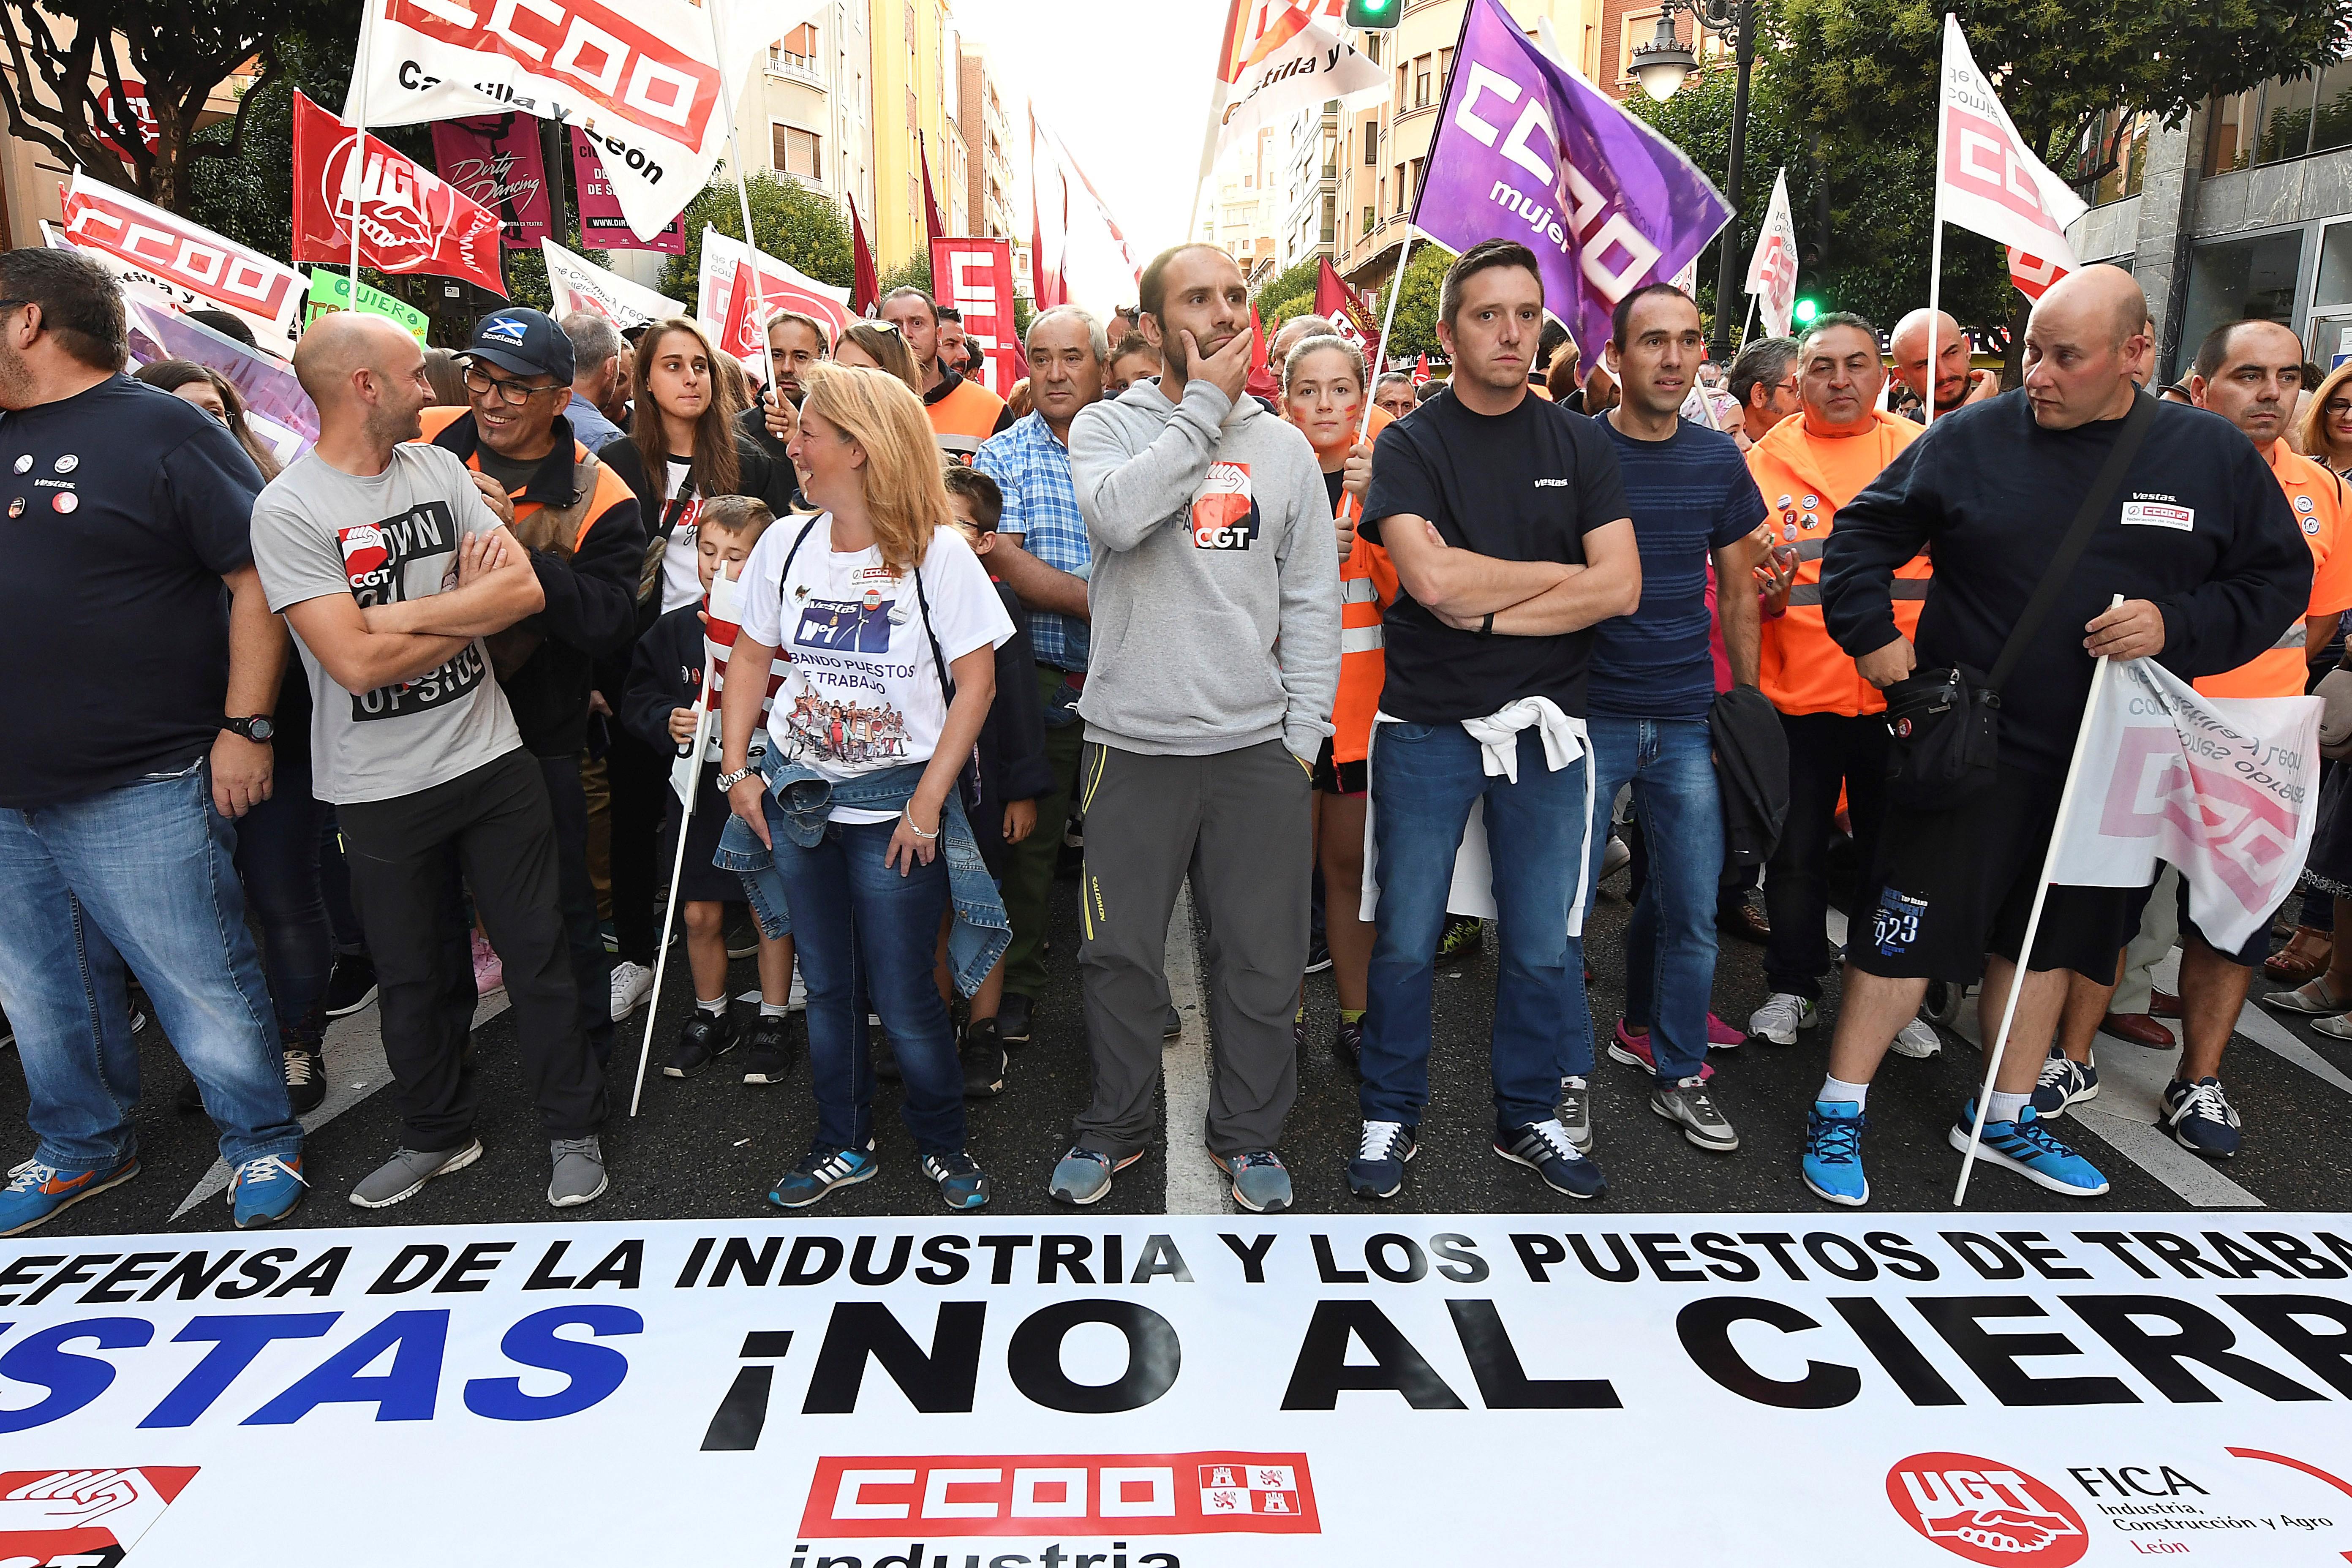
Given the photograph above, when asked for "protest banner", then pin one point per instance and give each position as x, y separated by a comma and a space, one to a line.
1108, 1392
975, 277
354, 198
603, 226
1772, 270
181, 265
1348, 310
332, 291
276, 406
1279, 56
576, 283
782, 287
496, 163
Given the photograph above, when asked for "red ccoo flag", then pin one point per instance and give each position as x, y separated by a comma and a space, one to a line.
866, 283
740, 333
410, 219
1348, 310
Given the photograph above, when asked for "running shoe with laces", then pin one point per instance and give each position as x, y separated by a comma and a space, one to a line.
1574, 1112
1083, 1175
306, 1078
1261, 1182
1919, 1040
579, 1173
2028, 1147
1378, 1169
981, 1056
266, 1189
1319, 958
1348, 1044
37, 1193
702, 1039
351, 984
632, 984
820, 1172
1833, 1160
1783, 1013
768, 1049
1689, 1107
1633, 1051
2063, 1082
1463, 934
405, 1174
1543, 1147
960, 1181
2200, 1118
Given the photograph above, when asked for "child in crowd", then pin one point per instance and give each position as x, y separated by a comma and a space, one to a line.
1014, 769
664, 683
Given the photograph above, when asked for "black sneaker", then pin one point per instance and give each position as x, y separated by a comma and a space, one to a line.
190, 1099
1012, 1019
742, 934
1349, 1044
769, 1058
981, 1056
706, 1037
1462, 935
1319, 958
352, 985
306, 1077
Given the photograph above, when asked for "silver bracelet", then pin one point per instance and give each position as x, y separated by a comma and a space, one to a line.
906, 815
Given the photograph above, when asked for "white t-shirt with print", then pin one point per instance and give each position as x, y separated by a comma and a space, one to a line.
681, 578
861, 693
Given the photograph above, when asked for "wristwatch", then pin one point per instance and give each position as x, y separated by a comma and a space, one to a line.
728, 781
260, 728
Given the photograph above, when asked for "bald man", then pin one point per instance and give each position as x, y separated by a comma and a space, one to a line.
1294, 331
2199, 541
392, 569
1956, 385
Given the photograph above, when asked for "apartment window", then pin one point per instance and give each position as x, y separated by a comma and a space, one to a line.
2120, 134
1406, 200
2282, 119
2241, 279
1373, 47
798, 152
1444, 67
1401, 83
1403, 200
1420, 82
1372, 141
1370, 218
1331, 218
1384, 196
911, 108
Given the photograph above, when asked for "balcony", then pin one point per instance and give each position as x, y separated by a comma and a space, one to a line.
796, 67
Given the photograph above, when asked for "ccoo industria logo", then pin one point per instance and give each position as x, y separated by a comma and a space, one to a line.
1219, 1492
1986, 1511
83, 1517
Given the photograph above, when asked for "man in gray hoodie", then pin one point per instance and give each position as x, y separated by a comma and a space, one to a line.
1215, 610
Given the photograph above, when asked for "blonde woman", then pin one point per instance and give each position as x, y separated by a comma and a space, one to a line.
878, 345
854, 818
2326, 434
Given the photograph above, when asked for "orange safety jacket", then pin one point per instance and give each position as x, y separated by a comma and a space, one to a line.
2321, 509
1802, 669
964, 417
1368, 586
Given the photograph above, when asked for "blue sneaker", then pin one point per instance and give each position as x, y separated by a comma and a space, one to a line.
1832, 1163
2063, 1082
37, 1193
2200, 1118
960, 1180
1378, 1169
1261, 1183
266, 1190
1083, 1175
2028, 1147
1543, 1147
820, 1172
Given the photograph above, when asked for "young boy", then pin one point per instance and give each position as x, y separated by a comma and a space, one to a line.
663, 682
1014, 769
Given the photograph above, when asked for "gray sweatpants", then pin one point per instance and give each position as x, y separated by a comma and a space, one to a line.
1238, 821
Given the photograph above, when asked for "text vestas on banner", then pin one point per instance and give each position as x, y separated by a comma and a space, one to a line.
182, 264
1772, 270
578, 284
1280, 56
975, 275
1986, 180
409, 218
1527, 149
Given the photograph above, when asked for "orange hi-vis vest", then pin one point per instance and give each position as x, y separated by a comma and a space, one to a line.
965, 418
1368, 586
1805, 480
2324, 511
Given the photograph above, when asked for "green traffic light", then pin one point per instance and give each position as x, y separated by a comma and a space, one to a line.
1373, 14
1806, 310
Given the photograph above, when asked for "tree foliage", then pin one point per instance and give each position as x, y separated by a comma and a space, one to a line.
1415, 332
795, 224
1290, 293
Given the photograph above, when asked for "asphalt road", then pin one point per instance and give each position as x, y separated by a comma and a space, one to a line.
710, 1147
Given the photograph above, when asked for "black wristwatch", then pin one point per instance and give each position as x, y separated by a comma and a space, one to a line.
259, 729
1486, 627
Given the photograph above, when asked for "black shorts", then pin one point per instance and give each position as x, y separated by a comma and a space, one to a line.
1341, 778
2257, 948
699, 881
1950, 887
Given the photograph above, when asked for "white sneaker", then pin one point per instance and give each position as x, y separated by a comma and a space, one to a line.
1615, 856
1782, 1014
797, 1000
1919, 1040
632, 984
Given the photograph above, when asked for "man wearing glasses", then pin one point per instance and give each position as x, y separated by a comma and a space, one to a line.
1764, 379
577, 515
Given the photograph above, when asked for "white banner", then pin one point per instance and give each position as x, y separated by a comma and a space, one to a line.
183, 265
1083, 1391
637, 77
782, 287
1283, 55
2225, 789
1772, 270
1990, 183
576, 283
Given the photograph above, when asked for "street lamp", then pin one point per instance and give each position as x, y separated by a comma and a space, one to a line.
1661, 66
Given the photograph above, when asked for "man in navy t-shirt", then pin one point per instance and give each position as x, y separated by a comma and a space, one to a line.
137, 725
1651, 683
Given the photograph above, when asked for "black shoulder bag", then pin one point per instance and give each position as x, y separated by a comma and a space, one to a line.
968, 781
1946, 723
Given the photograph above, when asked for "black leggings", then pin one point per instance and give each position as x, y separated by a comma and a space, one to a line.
278, 854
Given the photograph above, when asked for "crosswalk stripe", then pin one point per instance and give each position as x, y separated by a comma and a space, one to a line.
1194, 1186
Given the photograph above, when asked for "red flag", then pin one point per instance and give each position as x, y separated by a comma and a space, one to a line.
975, 275
740, 335
865, 285
2030, 274
1260, 383
1421, 370
938, 228
410, 219
1348, 310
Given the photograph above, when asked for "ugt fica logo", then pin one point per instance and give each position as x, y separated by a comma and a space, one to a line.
1986, 1511
92, 1517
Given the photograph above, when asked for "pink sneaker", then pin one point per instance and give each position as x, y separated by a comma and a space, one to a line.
1722, 1037
490, 975
1633, 1051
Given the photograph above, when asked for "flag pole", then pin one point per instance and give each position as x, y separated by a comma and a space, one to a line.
1935, 304
1388, 320
2033, 918
743, 200
677, 870
356, 171
1750, 325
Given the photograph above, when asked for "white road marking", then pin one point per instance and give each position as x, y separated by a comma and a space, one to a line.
2255, 1025
1194, 1186
355, 1069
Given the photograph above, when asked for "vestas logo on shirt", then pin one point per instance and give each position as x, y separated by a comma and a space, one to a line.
1225, 512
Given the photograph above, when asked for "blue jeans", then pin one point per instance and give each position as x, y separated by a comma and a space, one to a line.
859, 923
145, 873
278, 854
1670, 942
1424, 780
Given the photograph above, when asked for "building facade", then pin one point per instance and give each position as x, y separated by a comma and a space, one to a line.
987, 120
917, 68
810, 110
1310, 189
1242, 216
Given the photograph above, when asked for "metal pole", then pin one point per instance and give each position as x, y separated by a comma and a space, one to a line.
551, 159
1727, 277
1388, 324
742, 193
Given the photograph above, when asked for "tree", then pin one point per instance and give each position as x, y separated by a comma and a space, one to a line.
1290, 293
795, 224
1415, 330
70, 59
915, 272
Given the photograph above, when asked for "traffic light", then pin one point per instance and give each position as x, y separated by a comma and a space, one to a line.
1373, 14
1806, 309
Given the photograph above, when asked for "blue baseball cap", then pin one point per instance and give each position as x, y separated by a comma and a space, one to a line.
525, 342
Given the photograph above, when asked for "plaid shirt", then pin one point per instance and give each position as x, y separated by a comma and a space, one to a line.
1032, 469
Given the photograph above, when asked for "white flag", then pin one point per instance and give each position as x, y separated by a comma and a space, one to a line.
1283, 55
637, 77
782, 287
2224, 789
1772, 270
183, 266
578, 284
1989, 182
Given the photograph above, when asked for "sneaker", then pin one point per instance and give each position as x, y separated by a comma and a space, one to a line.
351, 986
1463, 934
820, 1172
1173, 1024
1544, 1147
579, 1171
190, 1098
1688, 1106
1615, 856
2064, 1081
1378, 1169
1319, 958
1083, 1175
1299, 1028
1260, 1184
36, 1192
266, 1189
743, 936
1919, 1040
768, 1056
1012, 1016
632, 984
1722, 1037
981, 1056
1574, 1113
138, 1018
405, 1174
306, 1078
2032, 1150
701, 1040
489, 971
1782, 1014
2200, 1118
1832, 1162
960, 1182
1633, 1051
1348, 1042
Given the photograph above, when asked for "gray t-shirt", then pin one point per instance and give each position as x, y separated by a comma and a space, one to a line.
387, 540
